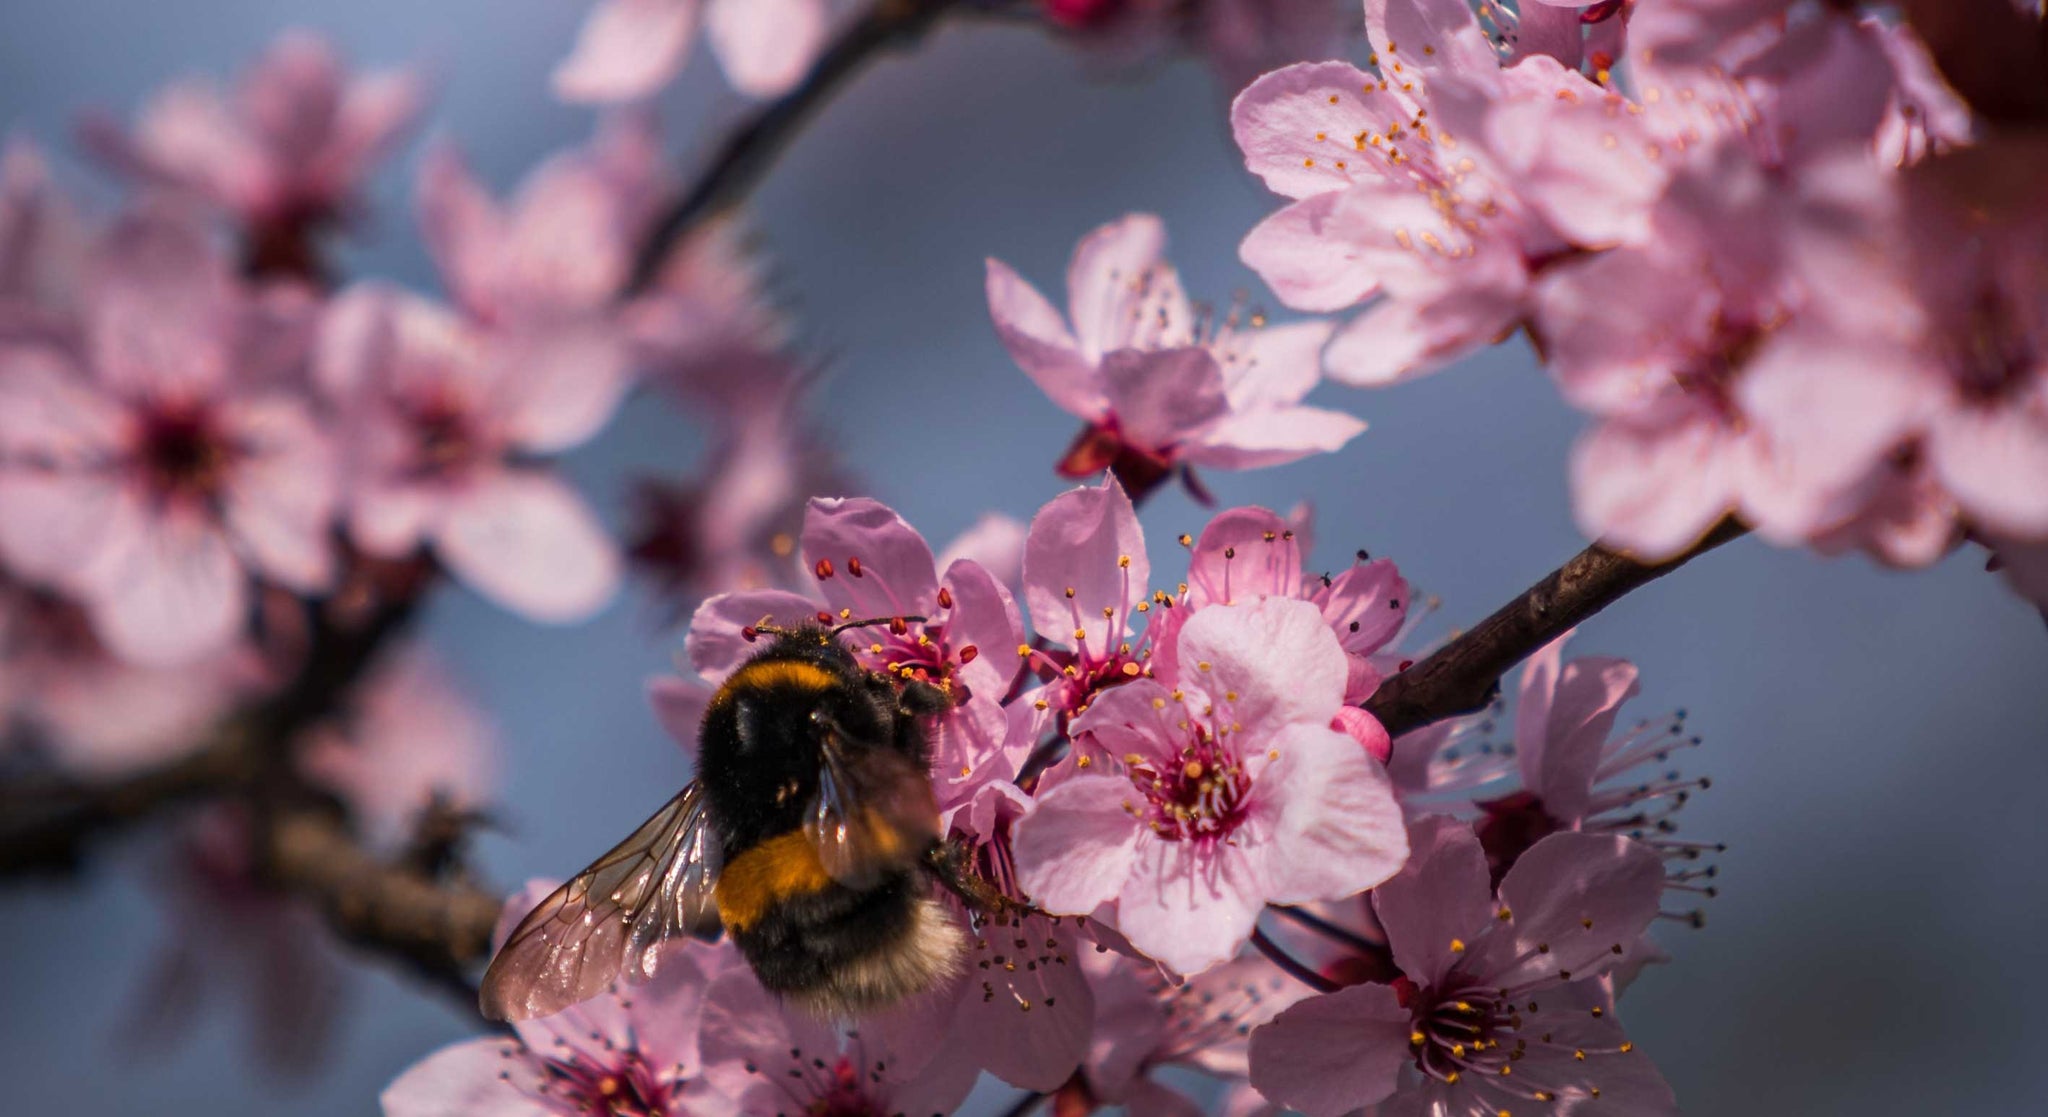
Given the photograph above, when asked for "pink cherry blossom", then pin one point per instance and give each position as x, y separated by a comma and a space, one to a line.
772, 1059
1145, 1023
292, 143
157, 464
1384, 203
92, 714
411, 740
1218, 796
1160, 388
1488, 983
1085, 572
632, 1050
1250, 554
629, 49
440, 419
865, 562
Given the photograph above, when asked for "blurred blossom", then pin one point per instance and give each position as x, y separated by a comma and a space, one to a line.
1240, 38
411, 739
43, 244
91, 714
1496, 1005
633, 1050
442, 421
629, 49
289, 146
166, 454
232, 939
707, 330
1161, 389
1215, 792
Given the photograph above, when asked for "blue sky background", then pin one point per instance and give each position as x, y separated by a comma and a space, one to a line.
1875, 739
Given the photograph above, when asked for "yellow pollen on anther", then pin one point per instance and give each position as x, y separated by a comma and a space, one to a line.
1272, 754
1186, 540
1627, 1047
1458, 1050
1417, 1039
1133, 759
1203, 665
1130, 669
1070, 592
1080, 634
1457, 946
1023, 649
1451, 1079
1192, 770
1083, 762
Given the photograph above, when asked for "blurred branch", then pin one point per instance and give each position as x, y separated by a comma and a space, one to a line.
753, 148
46, 823
1463, 675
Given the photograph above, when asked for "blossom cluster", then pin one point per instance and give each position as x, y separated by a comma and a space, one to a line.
1230, 865
1773, 255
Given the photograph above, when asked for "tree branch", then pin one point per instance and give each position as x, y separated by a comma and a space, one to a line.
1463, 675
754, 146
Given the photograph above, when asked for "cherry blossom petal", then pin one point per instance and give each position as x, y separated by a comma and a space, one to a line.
1993, 459
1573, 897
173, 592
1035, 1029
1038, 340
1162, 397
1441, 896
560, 386
866, 558
1651, 490
1189, 908
627, 50
1402, 338
1429, 36
995, 542
1275, 436
1298, 252
1582, 712
716, 646
1364, 729
281, 501
984, 617
1332, 1054
1335, 827
461, 223
766, 46
461, 1080
1274, 366
1121, 292
1078, 846
1074, 566
679, 706
1365, 605
1297, 124
1244, 554
527, 541
1277, 656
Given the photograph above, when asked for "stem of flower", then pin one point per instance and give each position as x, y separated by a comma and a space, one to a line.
1294, 966
752, 149
1463, 675
1026, 1104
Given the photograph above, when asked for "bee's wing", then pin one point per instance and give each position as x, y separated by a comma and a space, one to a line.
612, 917
875, 812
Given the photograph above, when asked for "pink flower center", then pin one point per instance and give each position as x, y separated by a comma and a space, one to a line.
842, 1093
184, 453
1200, 798
446, 439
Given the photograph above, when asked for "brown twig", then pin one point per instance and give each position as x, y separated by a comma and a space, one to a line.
753, 148
1463, 675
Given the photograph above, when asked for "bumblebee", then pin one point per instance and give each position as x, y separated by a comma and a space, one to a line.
810, 835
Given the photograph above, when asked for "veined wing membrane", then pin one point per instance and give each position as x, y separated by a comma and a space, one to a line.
611, 918
875, 812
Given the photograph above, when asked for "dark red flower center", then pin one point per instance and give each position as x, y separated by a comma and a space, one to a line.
1200, 797
184, 452
626, 1088
843, 1093
1083, 13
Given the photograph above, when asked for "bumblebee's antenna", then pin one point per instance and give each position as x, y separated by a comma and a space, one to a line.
764, 628
872, 621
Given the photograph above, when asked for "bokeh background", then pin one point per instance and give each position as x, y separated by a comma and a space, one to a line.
1876, 740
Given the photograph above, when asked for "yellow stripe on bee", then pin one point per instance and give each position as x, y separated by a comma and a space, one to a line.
765, 875
793, 673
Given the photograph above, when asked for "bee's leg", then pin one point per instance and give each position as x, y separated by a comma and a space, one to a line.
951, 863
918, 699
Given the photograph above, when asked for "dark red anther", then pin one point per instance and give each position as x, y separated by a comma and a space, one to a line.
1601, 12
968, 653
749, 633
1405, 665
823, 569
853, 566
899, 626
945, 598
824, 617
